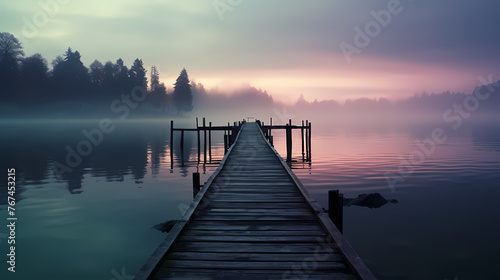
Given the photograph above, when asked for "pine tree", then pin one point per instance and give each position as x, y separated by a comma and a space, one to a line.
138, 73
11, 54
182, 97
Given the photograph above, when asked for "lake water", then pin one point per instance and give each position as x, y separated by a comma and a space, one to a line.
95, 221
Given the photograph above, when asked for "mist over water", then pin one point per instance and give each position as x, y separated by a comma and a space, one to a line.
107, 205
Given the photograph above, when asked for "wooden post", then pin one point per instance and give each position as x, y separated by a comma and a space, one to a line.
335, 208
307, 140
289, 141
225, 142
302, 138
198, 134
204, 142
210, 141
196, 183
171, 144
182, 147
233, 136
270, 128
310, 154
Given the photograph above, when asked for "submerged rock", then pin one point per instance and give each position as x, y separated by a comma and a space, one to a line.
166, 226
372, 200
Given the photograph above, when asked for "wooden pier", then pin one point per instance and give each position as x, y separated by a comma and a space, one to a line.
253, 219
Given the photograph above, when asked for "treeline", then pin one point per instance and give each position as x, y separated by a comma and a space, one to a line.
482, 104
68, 86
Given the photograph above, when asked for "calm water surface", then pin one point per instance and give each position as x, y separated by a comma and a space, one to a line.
95, 222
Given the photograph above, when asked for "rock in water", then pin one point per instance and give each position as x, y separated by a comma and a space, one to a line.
372, 200
166, 226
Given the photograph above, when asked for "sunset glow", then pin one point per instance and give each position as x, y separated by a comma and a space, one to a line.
294, 47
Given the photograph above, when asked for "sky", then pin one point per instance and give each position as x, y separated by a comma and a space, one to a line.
323, 49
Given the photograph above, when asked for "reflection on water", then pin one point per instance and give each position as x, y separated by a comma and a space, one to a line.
97, 218
444, 224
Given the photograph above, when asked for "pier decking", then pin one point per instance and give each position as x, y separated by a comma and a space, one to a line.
253, 219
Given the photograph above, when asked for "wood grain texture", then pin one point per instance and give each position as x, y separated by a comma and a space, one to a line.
251, 221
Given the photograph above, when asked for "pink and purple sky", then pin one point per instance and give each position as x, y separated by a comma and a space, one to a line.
287, 47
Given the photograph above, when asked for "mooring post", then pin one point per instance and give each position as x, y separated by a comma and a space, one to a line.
335, 208
210, 141
302, 138
233, 136
171, 144
270, 128
310, 154
204, 142
182, 147
198, 134
225, 141
196, 183
289, 141
307, 140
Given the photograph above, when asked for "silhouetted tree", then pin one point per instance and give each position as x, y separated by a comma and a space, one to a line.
33, 77
11, 53
109, 83
138, 74
182, 97
71, 77
157, 92
96, 74
124, 85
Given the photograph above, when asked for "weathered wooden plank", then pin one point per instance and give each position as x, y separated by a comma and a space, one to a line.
247, 181
253, 256
246, 238
254, 218
260, 205
248, 265
214, 274
228, 193
248, 247
257, 190
257, 200
244, 212
290, 197
254, 232
260, 226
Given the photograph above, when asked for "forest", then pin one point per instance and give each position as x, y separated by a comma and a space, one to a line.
67, 88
